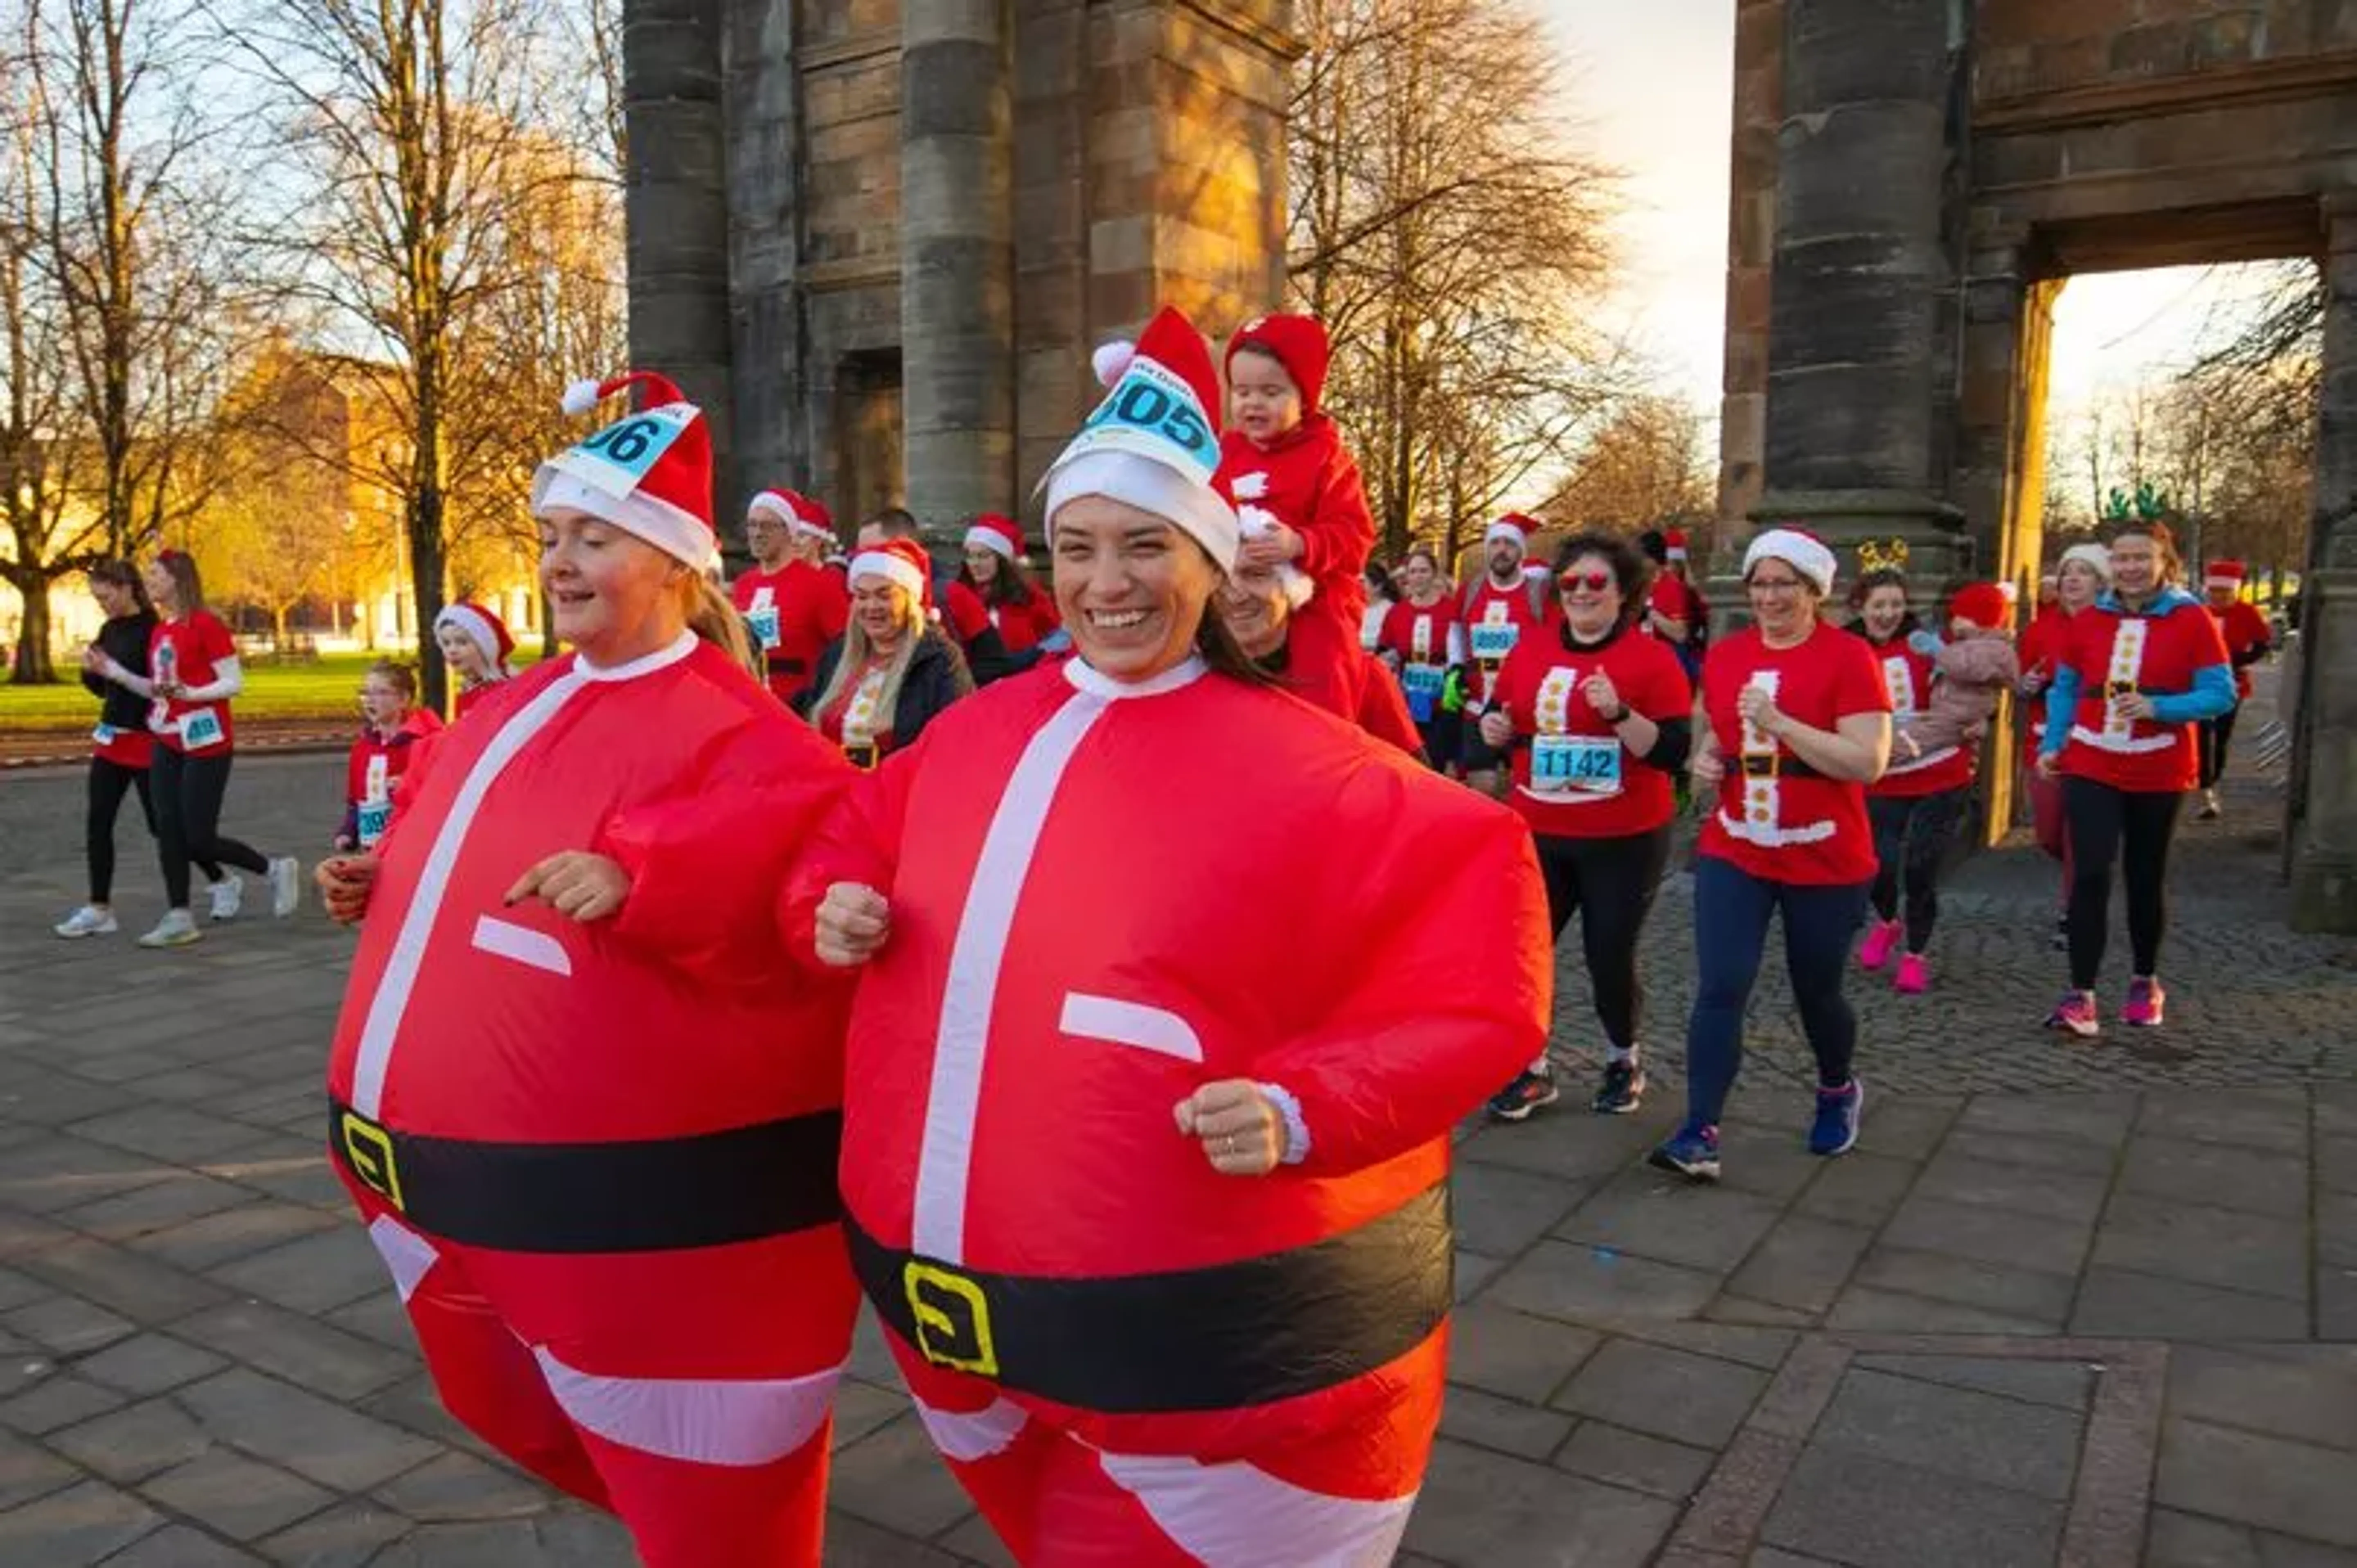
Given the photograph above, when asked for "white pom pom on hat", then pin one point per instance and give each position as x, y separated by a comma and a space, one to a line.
1112, 361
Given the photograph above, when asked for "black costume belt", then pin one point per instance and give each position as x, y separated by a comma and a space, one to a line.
1780, 766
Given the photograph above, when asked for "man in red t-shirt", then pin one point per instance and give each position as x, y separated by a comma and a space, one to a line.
1497, 612
793, 607
2248, 639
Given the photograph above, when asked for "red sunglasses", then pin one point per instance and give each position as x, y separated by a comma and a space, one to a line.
1594, 582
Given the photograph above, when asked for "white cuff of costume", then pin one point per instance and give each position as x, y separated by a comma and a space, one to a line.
1296, 1130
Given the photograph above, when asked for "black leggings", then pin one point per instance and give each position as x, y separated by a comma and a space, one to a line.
1911, 838
109, 783
189, 791
1609, 882
2133, 827
2216, 735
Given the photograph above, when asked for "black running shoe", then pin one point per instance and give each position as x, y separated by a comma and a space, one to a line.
1623, 1086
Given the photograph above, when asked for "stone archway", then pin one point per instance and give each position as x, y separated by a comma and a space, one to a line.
1912, 183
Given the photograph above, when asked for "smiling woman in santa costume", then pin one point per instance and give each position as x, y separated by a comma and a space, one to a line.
590, 1117
1148, 1166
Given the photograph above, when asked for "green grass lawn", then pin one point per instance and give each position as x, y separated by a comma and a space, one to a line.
326, 688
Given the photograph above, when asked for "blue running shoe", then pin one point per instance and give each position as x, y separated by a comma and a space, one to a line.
1692, 1151
1834, 1132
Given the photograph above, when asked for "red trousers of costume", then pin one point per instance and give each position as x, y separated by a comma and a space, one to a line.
689, 1392
1325, 1480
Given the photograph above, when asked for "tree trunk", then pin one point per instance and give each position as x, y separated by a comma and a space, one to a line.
426, 567
31, 660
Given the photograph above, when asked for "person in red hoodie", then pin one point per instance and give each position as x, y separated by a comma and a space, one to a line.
995, 572
2248, 641
1297, 495
793, 605
392, 724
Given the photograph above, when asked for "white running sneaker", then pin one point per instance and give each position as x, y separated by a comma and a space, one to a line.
229, 896
178, 929
87, 921
285, 886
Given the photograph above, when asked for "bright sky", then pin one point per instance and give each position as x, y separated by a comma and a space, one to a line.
1648, 88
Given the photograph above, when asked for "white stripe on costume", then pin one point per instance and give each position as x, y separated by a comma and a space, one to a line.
1236, 1515
2123, 746
970, 991
533, 949
1768, 835
410, 1256
969, 1436
1121, 1022
735, 1422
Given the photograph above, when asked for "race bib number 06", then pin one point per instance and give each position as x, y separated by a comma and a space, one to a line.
616, 459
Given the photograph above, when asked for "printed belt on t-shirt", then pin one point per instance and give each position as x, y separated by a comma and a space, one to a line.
1780, 766
1220, 1338
649, 1194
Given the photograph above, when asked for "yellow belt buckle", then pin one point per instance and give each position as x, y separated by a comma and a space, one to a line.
368, 1149
953, 1320
862, 756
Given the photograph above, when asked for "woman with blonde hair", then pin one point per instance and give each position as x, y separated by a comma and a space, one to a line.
893, 671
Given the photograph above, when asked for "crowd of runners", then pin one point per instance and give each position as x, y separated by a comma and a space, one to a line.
1007, 945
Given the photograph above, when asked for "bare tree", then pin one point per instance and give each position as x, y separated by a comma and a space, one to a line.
411, 122
1645, 465
1447, 241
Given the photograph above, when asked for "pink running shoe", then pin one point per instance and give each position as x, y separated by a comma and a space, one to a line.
2146, 1005
2075, 1015
1879, 944
1914, 976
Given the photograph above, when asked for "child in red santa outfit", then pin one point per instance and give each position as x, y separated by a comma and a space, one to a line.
391, 725
793, 607
589, 1118
1146, 1175
1297, 495
2248, 639
477, 648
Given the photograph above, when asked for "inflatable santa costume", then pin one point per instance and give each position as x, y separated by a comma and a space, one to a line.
1146, 1154
598, 1154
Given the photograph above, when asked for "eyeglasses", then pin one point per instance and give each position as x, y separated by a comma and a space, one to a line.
1594, 582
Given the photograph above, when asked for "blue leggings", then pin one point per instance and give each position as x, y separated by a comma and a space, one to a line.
1731, 913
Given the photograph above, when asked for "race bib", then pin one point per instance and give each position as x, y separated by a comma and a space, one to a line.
762, 622
1423, 684
614, 460
1149, 412
104, 734
1575, 764
374, 817
1492, 640
200, 727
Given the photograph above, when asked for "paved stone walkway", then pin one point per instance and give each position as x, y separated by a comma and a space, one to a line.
2065, 1305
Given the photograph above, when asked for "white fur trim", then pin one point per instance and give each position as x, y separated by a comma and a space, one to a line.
1111, 360
1300, 587
990, 539
477, 629
1502, 529
677, 533
891, 568
1676, 552
1769, 836
2093, 555
580, 397
1809, 557
2123, 746
1191, 507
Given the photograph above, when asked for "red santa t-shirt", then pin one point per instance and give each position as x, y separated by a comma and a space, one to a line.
2246, 635
376, 762
1426, 641
1778, 818
1026, 623
1906, 674
793, 613
1573, 778
2156, 654
1495, 621
189, 652
2043, 646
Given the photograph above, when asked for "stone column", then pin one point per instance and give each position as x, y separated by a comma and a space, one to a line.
762, 110
676, 204
957, 261
1860, 270
1751, 256
2320, 839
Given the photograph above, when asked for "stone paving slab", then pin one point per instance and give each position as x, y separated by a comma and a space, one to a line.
2069, 1306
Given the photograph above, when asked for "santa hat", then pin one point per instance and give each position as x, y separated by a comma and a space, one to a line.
487, 631
1673, 545
902, 561
799, 512
1296, 342
1982, 604
2096, 557
1513, 526
1803, 552
650, 474
1154, 442
2225, 575
1002, 536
